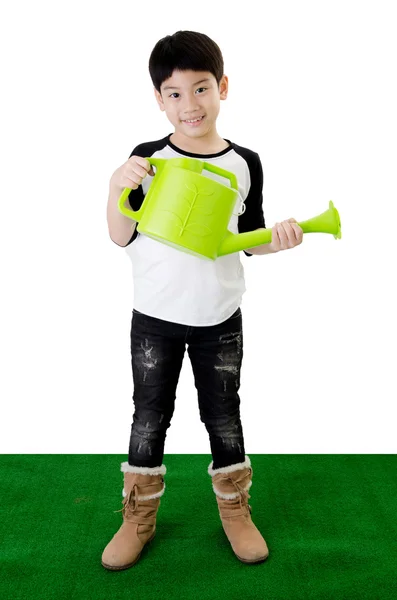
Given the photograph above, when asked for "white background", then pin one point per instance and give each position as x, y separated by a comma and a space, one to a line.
312, 89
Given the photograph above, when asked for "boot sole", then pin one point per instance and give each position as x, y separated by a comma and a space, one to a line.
123, 567
258, 560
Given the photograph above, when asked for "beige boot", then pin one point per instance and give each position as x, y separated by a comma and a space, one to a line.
231, 485
143, 487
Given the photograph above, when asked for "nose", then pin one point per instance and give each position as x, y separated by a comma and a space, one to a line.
191, 107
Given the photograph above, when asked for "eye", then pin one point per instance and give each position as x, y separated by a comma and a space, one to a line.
173, 94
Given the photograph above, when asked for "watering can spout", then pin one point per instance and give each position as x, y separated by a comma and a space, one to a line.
327, 222
233, 242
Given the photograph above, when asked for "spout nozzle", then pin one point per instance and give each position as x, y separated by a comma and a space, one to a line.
338, 233
327, 222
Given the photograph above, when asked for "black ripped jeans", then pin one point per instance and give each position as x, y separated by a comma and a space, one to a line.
215, 352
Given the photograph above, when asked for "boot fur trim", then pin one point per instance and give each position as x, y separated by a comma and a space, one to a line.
230, 468
151, 497
127, 468
230, 496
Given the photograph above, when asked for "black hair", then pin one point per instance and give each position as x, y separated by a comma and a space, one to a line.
185, 50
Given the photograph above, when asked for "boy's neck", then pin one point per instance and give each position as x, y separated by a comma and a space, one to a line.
208, 144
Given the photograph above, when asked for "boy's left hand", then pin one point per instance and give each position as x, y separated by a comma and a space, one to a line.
285, 235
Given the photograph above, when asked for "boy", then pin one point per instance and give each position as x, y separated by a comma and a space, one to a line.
182, 299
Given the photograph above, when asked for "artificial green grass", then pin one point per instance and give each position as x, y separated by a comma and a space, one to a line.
330, 522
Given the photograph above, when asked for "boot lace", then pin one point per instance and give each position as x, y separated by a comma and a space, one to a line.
243, 494
131, 500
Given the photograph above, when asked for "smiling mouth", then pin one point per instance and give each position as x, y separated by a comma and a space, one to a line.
193, 120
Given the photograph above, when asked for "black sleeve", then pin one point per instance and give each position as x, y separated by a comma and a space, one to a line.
136, 197
253, 217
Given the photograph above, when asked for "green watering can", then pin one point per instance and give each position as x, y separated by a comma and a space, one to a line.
191, 212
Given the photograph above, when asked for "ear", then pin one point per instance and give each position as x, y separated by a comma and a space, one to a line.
159, 99
223, 87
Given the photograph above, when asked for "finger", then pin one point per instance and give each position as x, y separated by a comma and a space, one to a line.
297, 229
149, 168
293, 233
143, 163
140, 160
284, 232
275, 238
298, 232
135, 174
140, 171
133, 180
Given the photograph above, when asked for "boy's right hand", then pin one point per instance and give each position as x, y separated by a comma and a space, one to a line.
131, 173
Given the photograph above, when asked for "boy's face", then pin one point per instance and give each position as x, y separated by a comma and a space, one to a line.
185, 96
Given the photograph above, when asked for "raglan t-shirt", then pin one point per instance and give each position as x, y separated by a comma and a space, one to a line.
175, 286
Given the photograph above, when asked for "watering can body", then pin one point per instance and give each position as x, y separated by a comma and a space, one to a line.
184, 208
189, 211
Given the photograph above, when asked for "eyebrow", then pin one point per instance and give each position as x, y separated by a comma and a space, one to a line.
173, 87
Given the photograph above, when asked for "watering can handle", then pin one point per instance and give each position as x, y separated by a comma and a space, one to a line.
136, 215
222, 172
231, 177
